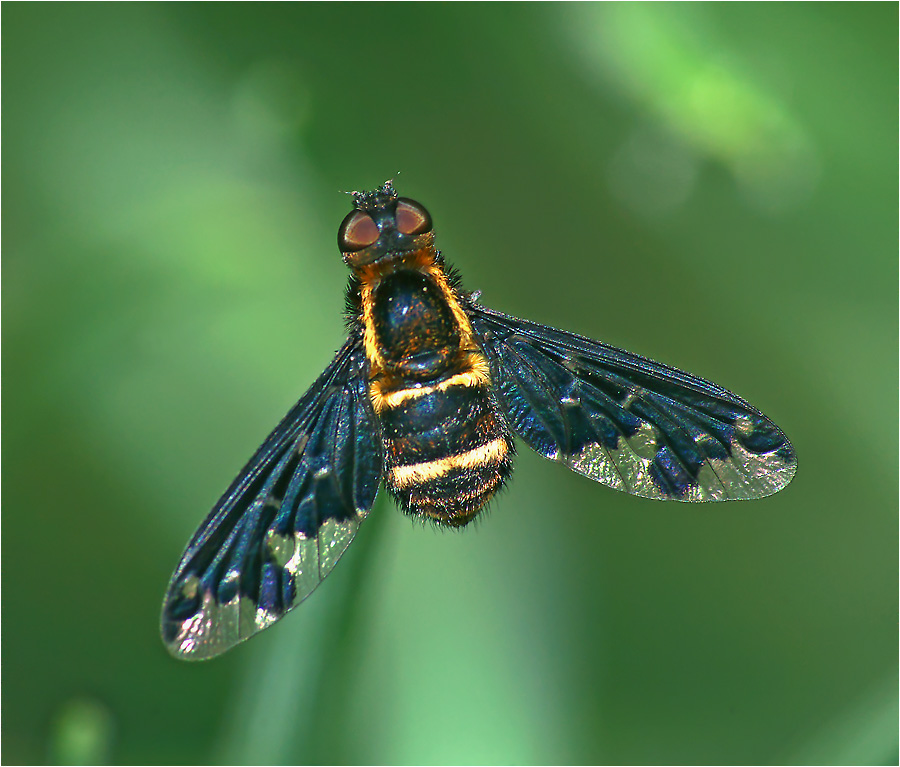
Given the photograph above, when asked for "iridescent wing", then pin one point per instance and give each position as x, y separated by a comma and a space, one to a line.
628, 422
286, 519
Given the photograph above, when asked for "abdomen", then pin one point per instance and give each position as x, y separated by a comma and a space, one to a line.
446, 452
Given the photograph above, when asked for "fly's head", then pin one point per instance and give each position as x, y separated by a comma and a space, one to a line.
383, 227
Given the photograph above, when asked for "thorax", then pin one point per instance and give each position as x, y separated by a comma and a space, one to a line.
415, 328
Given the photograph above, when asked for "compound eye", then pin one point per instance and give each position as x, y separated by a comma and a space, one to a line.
357, 231
411, 218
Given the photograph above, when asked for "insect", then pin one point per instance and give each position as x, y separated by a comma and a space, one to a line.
425, 396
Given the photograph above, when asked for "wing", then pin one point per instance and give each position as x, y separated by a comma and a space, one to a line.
628, 422
286, 519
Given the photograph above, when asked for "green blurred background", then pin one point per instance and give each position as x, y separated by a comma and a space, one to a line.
711, 185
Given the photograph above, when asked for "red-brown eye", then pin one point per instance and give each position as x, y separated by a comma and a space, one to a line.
411, 218
357, 231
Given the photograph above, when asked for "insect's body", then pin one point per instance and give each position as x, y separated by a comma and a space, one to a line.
424, 396
446, 447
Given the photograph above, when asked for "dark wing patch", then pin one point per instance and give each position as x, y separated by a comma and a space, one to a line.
286, 519
628, 422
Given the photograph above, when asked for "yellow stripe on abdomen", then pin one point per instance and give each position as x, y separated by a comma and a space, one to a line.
491, 453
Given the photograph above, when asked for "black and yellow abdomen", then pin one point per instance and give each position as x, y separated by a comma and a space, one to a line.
447, 449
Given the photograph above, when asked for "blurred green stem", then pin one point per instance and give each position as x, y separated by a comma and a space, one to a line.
290, 692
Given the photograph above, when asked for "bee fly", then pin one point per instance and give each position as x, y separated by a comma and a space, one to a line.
425, 396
